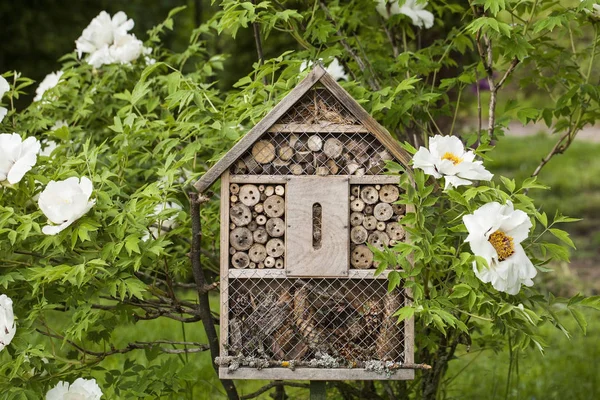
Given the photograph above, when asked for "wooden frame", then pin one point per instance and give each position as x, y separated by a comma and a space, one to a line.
366, 125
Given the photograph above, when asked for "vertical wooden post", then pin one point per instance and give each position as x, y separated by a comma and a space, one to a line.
318, 390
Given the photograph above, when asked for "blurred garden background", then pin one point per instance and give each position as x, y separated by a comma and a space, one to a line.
37, 33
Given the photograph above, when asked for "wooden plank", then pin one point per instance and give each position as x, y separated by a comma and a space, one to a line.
375, 179
409, 324
224, 260
330, 257
314, 374
323, 127
281, 274
274, 179
255, 133
369, 122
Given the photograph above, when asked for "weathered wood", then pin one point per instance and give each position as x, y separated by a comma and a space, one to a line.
261, 219
302, 259
309, 168
357, 205
257, 253
260, 235
333, 148
322, 127
296, 169
279, 264
333, 167
241, 239
322, 171
279, 190
240, 260
389, 193
361, 257
358, 235
395, 231
313, 374
355, 190
383, 211
387, 342
266, 179
303, 157
370, 223
369, 195
379, 240
368, 210
274, 206
399, 209
275, 248
270, 190
352, 167
252, 226
273, 274
251, 164
315, 143
234, 188
374, 179
356, 219
381, 226
224, 264
240, 214
255, 133
359, 172
258, 208
286, 153
269, 262
249, 195
275, 227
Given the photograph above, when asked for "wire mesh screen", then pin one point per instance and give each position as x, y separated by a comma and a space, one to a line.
317, 136
347, 320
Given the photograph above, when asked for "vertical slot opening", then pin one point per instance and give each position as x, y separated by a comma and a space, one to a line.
317, 219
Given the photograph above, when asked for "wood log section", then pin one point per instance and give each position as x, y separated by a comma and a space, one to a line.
279, 263
275, 247
260, 265
258, 208
252, 165
357, 205
240, 214
355, 190
383, 211
252, 265
352, 168
370, 223
260, 235
379, 240
381, 226
274, 206
358, 235
320, 158
257, 253
234, 188
293, 140
263, 152
232, 251
356, 219
232, 226
275, 227
395, 231
233, 198
375, 165
368, 210
240, 168
359, 172
296, 169
240, 260
361, 257
280, 166
333, 148
261, 219
399, 209
369, 195
241, 239
252, 226
286, 153
315, 143
279, 190
358, 148
308, 168
261, 188
269, 262
304, 157
249, 195
389, 193
263, 197
333, 167
322, 171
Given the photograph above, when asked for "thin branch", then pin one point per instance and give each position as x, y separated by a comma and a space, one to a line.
271, 385
203, 301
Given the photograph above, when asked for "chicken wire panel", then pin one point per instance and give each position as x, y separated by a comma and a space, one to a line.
318, 105
307, 320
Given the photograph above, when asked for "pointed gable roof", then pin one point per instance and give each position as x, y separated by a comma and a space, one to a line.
317, 75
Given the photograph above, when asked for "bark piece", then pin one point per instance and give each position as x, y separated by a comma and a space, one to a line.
275, 247
383, 211
240, 214
249, 195
358, 235
263, 152
369, 195
274, 206
241, 239
240, 260
275, 227
361, 257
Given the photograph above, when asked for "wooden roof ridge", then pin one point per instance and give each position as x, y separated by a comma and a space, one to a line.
317, 75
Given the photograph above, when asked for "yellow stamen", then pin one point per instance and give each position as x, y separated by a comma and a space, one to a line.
503, 244
449, 156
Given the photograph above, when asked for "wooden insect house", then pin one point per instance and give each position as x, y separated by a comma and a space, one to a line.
302, 194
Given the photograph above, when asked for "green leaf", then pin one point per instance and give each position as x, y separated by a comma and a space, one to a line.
404, 313
509, 183
393, 280
459, 291
580, 318
131, 244
562, 236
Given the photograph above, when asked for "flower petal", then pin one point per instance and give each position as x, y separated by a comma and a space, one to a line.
423, 159
455, 181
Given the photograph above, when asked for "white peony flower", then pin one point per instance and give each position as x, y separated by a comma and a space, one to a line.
126, 48
64, 202
411, 8
4, 87
17, 156
50, 81
495, 233
49, 147
335, 69
162, 225
447, 157
81, 389
7, 321
101, 32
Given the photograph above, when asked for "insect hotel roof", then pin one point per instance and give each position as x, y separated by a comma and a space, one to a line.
304, 200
